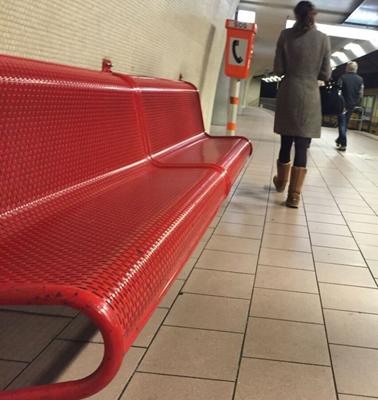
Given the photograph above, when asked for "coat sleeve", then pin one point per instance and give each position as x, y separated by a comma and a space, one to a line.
279, 59
325, 69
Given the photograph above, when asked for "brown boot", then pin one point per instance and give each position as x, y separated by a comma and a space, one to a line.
295, 187
282, 177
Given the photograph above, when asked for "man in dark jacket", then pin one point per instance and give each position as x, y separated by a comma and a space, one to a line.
352, 87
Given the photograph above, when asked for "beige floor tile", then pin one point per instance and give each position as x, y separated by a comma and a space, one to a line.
286, 243
82, 329
363, 227
340, 242
233, 244
354, 329
8, 371
338, 256
286, 341
187, 269
317, 201
65, 360
357, 209
355, 370
277, 208
244, 219
353, 217
373, 265
60, 311
366, 239
194, 352
369, 252
24, 336
272, 380
314, 197
286, 218
207, 235
302, 307
326, 218
217, 283
209, 312
323, 209
144, 386
344, 275
286, 229
171, 295
349, 298
214, 222
198, 250
238, 230
286, 279
351, 202
330, 229
148, 332
287, 259
350, 397
246, 208
231, 262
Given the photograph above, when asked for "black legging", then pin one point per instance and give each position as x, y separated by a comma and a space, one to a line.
301, 145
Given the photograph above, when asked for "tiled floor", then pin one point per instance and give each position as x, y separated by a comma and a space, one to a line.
275, 303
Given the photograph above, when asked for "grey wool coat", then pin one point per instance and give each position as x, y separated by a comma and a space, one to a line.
303, 59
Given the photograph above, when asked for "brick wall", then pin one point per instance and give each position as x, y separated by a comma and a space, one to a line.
163, 38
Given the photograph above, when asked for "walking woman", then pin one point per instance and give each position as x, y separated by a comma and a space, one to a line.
303, 57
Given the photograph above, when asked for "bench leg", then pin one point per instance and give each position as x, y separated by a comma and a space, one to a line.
101, 315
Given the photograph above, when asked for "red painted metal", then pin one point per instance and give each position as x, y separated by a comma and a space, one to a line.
172, 120
87, 218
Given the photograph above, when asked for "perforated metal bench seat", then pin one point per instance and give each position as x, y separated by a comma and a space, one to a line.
87, 218
177, 136
111, 250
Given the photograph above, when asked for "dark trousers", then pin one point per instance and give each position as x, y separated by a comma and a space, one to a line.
343, 120
301, 145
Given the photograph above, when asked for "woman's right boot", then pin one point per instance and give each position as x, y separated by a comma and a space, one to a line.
282, 177
295, 187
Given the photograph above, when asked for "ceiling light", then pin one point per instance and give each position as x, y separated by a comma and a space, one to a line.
356, 49
341, 56
345, 32
247, 16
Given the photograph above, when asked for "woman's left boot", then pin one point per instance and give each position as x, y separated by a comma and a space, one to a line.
282, 177
297, 178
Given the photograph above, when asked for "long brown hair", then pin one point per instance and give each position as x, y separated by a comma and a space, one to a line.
305, 14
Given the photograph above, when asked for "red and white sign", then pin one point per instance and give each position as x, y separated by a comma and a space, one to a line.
239, 47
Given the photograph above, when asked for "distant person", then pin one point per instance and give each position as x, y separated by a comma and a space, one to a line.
352, 88
303, 56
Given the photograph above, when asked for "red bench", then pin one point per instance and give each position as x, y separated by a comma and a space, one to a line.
107, 184
176, 136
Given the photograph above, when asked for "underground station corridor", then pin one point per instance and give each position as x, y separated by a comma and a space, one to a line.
142, 258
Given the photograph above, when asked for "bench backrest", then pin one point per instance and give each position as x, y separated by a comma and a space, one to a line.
172, 111
60, 126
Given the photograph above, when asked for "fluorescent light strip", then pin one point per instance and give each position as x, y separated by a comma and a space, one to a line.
341, 56
345, 32
356, 49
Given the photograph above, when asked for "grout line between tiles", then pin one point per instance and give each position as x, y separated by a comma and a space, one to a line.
286, 361
163, 321
29, 365
185, 376
253, 287
322, 310
287, 320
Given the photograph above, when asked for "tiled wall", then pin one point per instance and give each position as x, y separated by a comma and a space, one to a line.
163, 38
